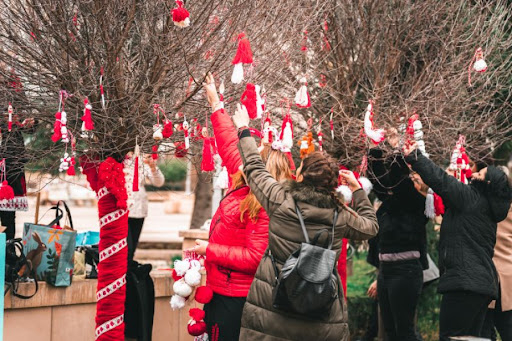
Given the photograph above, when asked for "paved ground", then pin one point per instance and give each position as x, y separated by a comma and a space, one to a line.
158, 227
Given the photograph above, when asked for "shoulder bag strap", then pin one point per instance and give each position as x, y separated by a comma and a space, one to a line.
68, 212
301, 220
333, 226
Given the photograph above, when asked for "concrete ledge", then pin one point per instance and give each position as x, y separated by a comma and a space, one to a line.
80, 292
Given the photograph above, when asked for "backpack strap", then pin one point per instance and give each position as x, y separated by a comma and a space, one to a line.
301, 220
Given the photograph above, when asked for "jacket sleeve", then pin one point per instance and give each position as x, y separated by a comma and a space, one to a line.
360, 224
155, 178
451, 190
269, 192
243, 258
226, 139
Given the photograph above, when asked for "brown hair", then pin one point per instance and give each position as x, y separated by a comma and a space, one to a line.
321, 171
278, 166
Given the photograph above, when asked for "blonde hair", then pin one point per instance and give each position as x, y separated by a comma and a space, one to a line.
277, 164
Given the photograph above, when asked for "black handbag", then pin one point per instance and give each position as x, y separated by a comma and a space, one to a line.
307, 283
15, 265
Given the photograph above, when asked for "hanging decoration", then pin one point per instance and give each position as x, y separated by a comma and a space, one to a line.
6, 191
60, 130
180, 16
477, 63
185, 126
187, 277
304, 46
286, 137
415, 133
102, 91
154, 152
136, 156
331, 123
306, 143
260, 102
249, 100
10, 111
459, 162
243, 56
326, 46
268, 132
320, 136
376, 135
71, 169
87, 122
302, 99
209, 150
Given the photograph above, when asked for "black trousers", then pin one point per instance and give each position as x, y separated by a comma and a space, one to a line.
224, 317
502, 320
134, 230
8, 219
462, 314
373, 324
399, 287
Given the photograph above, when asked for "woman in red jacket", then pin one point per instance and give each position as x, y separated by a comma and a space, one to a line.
238, 232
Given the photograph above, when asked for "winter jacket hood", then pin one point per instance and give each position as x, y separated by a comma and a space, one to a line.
309, 194
498, 192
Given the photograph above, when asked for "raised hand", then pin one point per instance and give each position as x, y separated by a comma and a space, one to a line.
241, 117
351, 180
211, 90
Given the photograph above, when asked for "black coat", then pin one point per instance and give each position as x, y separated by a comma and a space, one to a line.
468, 231
12, 149
401, 216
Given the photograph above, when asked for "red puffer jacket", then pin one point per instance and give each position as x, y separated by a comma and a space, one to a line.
235, 247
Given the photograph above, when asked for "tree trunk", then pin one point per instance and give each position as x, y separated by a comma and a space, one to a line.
203, 192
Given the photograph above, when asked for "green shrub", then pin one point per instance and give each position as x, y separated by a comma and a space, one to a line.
174, 170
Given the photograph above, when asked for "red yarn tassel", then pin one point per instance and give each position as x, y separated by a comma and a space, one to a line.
243, 52
6, 191
71, 170
136, 169
87, 118
207, 164
248, 99
168, 129
10, 111
180, 16
154, 153
56, 127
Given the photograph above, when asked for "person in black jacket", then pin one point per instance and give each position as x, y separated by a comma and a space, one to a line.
468, 233
12, 149
402, 243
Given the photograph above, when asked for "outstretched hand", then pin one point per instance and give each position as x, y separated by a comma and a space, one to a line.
351, 180
241, 116
409, 148
211, 90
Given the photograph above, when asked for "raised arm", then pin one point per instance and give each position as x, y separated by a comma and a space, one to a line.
226, 139
360, 224
452, 191
267, 190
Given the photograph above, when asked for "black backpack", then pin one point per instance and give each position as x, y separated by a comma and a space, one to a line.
307, 283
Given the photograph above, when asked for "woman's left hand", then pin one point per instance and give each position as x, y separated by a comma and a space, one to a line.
241, 117
200, 247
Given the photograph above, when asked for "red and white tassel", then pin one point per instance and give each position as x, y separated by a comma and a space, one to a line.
102, 91
136, 155
180, 16
6, 191
65, 162
87, 123
477, 64
243, 56
249, 100
154, 152
260, 103
10, 111
287, 139
302, 99
376, 135
207, 163
186, 128
331, 124
63, 127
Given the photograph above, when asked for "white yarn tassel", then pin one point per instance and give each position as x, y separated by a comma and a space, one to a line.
223, 179
238, 74
177, 302
430, 211
259, 102
287, 141
301, 97
376, 135
366, 184
480, 65
345, 191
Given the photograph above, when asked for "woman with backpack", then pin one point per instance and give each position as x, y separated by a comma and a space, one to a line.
306, 219
238, 232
